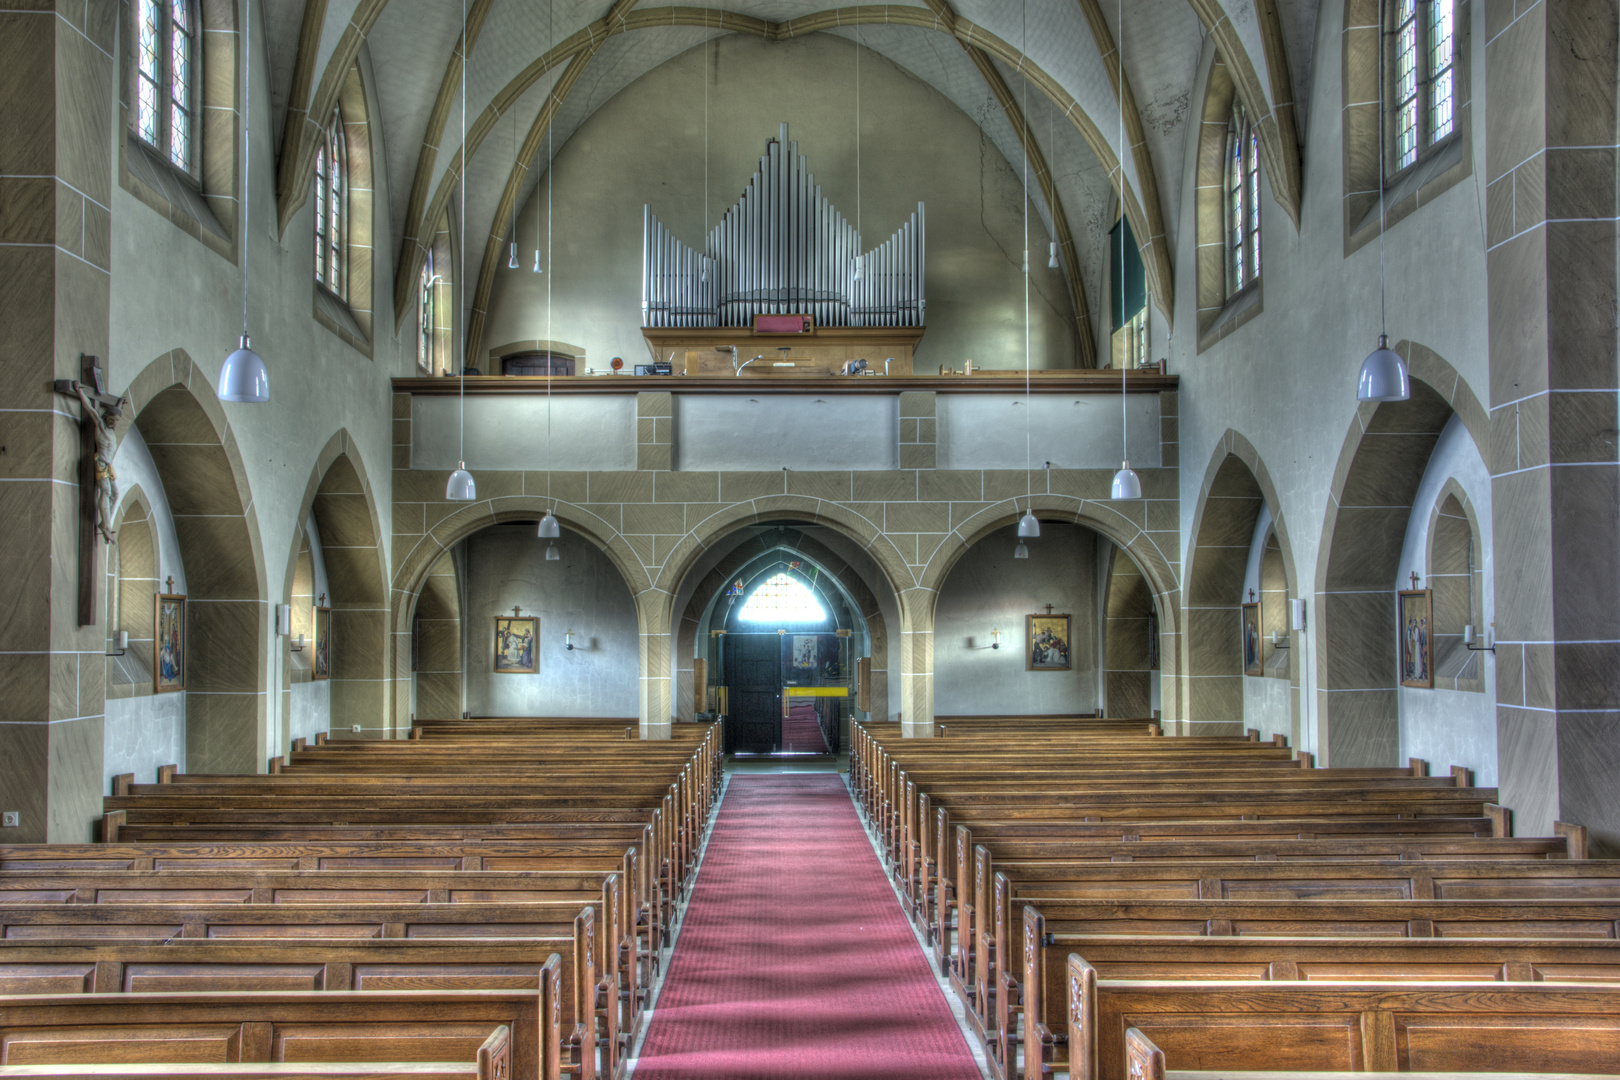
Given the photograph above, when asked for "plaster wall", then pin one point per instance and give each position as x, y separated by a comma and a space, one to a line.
990, 590
582, 592
170, 292
1286, 379
1452, 727
645, 147
146, 730
1266, 701
992, 431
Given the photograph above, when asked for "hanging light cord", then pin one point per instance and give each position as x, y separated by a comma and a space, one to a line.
1383, 319
462, 282
551, 98
1023, 106
247, 148
1125, 365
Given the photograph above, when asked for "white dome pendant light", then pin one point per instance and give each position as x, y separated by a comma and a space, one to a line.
1126, 485
549, 528
243, 377
1383, 374
1029, 526
462, 487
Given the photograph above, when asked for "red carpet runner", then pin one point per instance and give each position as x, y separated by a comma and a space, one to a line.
795, 959
801, 731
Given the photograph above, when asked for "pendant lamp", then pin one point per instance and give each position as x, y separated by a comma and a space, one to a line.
553, 555
462, 487
1051, 256
549, 529
1383, 374
243, 377
1029, 526
1021, 551
1126, 485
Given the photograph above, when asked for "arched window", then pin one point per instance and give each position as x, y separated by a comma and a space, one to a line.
1242, 202
426, 297
783, 599
1422, 94
331, 208
165, 78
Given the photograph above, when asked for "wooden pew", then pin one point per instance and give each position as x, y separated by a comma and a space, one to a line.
314, 1070
247, 1028
1054, 931
589, 1017
1338, 1027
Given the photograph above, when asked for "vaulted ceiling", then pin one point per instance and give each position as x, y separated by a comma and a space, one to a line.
537, 70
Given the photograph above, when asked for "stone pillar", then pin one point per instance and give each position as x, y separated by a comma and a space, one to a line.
56, 108
917, 663
657, 684
1551, 232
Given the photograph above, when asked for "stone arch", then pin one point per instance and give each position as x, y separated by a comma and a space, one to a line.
1236, 486
184, 425
856, 587
1457, 579
341, 500
436, 644
1112, 520
1127, 605
414, 568
1380, 466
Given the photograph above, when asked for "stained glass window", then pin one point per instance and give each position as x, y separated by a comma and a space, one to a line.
331, 207
166, 77
427, 285
1242, 202
1422, 77
783, 599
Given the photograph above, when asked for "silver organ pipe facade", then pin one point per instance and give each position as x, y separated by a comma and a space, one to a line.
783, 249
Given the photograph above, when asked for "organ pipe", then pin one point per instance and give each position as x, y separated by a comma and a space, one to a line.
782, 249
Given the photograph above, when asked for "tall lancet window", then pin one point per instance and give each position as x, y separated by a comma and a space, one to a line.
1422, 91
166, 78
783, 599
331, 207
425, 300
1242, 202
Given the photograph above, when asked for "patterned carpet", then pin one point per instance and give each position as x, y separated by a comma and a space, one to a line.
795, 959
801, 731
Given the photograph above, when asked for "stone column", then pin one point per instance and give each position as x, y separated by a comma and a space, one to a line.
56, 108
917, 663
1551, 230
657, 685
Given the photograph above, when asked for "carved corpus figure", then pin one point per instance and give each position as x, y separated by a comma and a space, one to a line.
105, 420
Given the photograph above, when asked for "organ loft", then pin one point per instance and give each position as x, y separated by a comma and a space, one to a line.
947, 538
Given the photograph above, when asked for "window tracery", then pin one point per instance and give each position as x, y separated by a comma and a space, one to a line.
1242, 202
331, 208
1422, 77
165, 78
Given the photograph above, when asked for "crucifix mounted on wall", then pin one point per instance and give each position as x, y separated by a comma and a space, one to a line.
1049, 609
1251, 596
1414, 576
99, 413
516, 611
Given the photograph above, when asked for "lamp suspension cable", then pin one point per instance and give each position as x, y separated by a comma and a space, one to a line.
1051, 151
1384, 375
462, 487
243, 376
1028, 525
549, 529
859, 241
1126, 485
511, 261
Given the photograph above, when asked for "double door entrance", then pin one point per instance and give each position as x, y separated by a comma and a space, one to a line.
786, 693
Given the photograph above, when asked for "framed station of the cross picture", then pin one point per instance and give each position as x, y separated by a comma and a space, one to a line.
169, 644
1414, 619
515, 638
320, 665
1046, 646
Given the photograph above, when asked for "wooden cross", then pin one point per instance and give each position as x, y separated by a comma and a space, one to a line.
99, 413
168, 584
322, 601
1251, 596
516, 611
1414, 580
1049, 609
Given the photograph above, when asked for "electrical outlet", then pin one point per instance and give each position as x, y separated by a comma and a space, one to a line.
11, 819
355, 728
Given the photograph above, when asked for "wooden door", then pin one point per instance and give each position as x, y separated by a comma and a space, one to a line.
754, 674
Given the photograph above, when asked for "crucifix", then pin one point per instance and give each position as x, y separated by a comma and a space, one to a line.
516, 611
168, 584
1414, 580
99, 413
322, 601
1049, 609
1251, 596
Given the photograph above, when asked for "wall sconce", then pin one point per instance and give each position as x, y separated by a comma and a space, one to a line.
568, 640
120, 643
995, 639
298, 644
283, 619
1296, 614
1280, 641
1468, 640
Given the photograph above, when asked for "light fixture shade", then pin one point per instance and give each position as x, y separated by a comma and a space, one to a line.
552, 554
1021, 551
856, 275
511, 259
1127, 485
461, 487
244, 378
1051, 258
537, 261
1383, 375
549, 530
1029, 525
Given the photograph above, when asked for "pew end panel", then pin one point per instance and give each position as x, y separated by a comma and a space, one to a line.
1143, 1060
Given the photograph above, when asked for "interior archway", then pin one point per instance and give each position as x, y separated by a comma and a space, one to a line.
1130, 639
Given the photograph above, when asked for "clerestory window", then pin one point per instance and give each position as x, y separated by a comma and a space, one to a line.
1422, 90
166, 71
1242, 202
332, 208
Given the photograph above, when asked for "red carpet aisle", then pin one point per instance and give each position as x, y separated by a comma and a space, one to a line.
801, 731
794, 959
